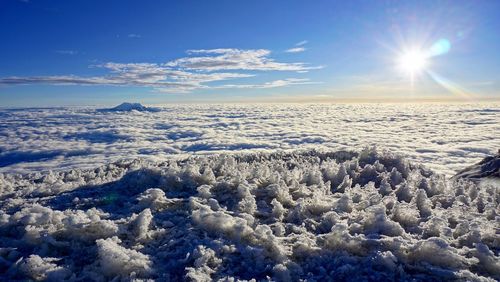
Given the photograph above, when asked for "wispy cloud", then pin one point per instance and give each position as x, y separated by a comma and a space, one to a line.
295, 50
272, 84
146, 75
133, 35
303, 42
182, 75
67, 52
299, 47
482, 83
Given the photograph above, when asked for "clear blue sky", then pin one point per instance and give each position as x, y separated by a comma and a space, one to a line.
106, 52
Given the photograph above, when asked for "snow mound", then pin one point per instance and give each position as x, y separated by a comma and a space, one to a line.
307, 215
127, 107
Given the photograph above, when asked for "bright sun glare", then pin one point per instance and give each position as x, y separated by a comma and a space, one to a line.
413, 62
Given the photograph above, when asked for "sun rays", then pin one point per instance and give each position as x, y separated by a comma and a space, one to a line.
415, 63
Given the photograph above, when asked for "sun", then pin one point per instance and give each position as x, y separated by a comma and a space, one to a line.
412, 62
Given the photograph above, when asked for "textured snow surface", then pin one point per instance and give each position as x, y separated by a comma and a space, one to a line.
309, 215
444, 137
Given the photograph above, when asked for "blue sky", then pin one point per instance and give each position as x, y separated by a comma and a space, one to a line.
106, 52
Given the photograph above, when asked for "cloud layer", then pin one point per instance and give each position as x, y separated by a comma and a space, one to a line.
196, 71
443, 136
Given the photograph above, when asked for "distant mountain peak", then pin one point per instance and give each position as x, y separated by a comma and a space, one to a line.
127, 107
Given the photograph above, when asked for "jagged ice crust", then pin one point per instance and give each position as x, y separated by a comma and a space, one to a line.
315, 215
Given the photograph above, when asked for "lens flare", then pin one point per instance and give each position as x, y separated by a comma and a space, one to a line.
414, 61
440, 47
450, 86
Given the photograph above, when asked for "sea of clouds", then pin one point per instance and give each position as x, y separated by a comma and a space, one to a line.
444, 137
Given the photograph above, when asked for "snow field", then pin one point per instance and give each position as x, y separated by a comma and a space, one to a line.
314, 215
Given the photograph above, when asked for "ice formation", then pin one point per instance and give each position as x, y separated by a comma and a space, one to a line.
307, 215
489, 168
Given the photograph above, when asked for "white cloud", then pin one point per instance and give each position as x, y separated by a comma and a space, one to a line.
180, 75
295, 50
76, 80
235, 59
303, 42
82, 137
143, 74
133, 35
299, 47
272, 84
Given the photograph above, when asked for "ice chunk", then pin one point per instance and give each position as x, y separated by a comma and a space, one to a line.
116, 260
38, 268
141, 223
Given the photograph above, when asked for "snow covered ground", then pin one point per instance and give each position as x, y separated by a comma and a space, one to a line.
312, 215
445, 137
